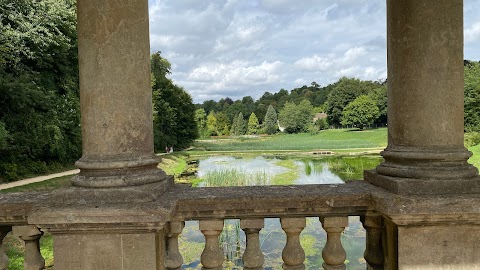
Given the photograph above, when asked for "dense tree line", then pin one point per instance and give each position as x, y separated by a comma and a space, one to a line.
296, 108
39, 104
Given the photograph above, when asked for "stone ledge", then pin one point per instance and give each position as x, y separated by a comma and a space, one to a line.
409, 186
352, 198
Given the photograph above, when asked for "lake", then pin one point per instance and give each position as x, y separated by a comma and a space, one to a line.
265, 170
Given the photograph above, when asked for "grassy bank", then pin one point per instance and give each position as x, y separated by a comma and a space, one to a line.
333, 139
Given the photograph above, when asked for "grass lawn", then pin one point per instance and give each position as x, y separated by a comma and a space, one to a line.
475, 159
46, 185
333, 139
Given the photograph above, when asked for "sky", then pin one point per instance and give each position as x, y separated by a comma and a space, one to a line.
237, 48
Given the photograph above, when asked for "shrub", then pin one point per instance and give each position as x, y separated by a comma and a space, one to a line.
472, 139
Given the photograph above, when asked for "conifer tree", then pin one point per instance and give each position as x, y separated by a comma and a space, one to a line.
252, 124
271, 120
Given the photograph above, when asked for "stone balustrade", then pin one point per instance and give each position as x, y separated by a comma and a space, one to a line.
152, 229
293, 255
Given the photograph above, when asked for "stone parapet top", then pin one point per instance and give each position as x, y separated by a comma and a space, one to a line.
184, 203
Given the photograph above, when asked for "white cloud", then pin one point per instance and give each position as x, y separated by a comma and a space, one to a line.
314, 63
472, 33
237, 47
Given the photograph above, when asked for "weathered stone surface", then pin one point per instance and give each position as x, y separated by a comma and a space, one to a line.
31, 236
351, 198
333, 253
293, 254
115, 95
124, 194
374, 255
439, 247
106, 251
412, 186
425, 100
3, 256
253, 257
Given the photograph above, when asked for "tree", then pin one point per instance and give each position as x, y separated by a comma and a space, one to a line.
472, 96
39, 97
174, 113
345, 91
200, 119
271, 121
252, 124
379, 96
238, 125
361, 112
222, 123
212, 124
296, 118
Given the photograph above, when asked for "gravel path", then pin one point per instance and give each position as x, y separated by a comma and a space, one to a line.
36, 179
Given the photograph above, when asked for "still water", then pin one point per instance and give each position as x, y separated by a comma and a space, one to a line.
260, 170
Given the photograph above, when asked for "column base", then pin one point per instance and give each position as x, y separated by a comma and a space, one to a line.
127, 194
111, 172
413, 186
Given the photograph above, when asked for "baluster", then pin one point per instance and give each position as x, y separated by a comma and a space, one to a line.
373, 250
3, 256
253, 257
333, 253
212, 255
31, 236
174, 259
293, 255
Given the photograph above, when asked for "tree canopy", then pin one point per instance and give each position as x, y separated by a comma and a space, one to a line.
174, 118
472, 96
361, 112
296, 118
39, 104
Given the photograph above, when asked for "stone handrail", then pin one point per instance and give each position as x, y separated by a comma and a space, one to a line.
25, 213
292, 204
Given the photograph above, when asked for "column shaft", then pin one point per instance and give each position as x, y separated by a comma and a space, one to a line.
425, 96
115, 94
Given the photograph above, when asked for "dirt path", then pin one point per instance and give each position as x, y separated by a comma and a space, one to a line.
37, 179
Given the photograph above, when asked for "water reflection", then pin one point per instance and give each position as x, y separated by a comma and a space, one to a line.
259, 170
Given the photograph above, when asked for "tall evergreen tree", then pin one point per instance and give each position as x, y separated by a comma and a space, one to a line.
271, 121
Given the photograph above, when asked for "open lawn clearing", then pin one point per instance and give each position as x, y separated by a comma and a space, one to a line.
337, 139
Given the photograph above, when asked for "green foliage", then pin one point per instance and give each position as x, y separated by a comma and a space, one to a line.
200, 119
3, 136
472, 96
238, 125
270, 122
252, 124
345, 91
222, 123
321, 124
174, 120
296, 118
39, 104
472, 139
361, 112
212, 124
379, 96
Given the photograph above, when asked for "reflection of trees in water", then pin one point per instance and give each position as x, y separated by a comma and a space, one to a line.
347, 168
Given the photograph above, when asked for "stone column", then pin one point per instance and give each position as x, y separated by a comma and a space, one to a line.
115, 95
425, 152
